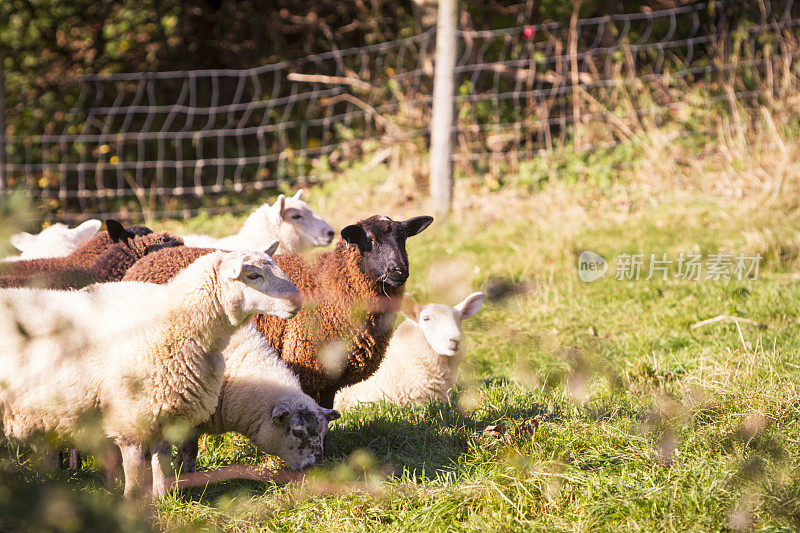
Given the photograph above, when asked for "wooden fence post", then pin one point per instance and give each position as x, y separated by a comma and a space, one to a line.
442, 118
2, 126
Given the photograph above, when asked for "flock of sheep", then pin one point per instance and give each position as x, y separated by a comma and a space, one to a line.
128, 334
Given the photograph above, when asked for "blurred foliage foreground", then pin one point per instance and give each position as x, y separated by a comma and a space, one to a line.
611, 405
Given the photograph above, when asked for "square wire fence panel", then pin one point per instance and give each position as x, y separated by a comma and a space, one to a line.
170, 143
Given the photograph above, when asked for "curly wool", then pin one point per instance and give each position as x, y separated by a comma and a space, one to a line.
340, 338
163, 265
163, 370
256, 382
140, 354
99, 260
343, 308
57, 240
410, 372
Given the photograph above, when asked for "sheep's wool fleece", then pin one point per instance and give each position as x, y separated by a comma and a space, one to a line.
140, 354
99, 260
410, 372
255, 379
344, 308
84, 256
163, 265
341, 305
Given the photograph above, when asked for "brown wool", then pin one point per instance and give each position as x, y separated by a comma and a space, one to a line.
98, 260
340, 305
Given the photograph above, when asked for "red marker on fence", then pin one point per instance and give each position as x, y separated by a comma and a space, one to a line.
529, 32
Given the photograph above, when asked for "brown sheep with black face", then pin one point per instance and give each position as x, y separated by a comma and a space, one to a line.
353, 291
106, 257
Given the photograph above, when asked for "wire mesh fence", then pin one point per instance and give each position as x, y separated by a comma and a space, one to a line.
170, 143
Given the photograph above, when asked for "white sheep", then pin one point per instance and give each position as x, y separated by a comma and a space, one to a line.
57, 240
141, 356
289, 220
422, 359
261, 398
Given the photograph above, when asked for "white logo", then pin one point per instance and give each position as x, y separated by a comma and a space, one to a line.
591, 266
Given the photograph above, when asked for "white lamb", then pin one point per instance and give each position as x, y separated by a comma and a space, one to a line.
422, 359
140, 355
57, 240
261, 398
288, 220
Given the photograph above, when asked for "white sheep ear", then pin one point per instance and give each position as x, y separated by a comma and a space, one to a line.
232, 266
279, 414
272, 248
87, 230
471, 304
21, 241
410, 308
298, 195
275, 214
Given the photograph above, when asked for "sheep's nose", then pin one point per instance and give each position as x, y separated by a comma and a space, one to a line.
295, 298
331, 234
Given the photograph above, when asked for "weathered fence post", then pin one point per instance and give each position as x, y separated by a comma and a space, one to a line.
2, 125
441, 167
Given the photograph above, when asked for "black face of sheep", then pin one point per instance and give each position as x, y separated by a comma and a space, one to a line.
382, 242
119, 233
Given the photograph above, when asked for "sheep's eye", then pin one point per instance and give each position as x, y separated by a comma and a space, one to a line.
297, 217
253, 276
426, 318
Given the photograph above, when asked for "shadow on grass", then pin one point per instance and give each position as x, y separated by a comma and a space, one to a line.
421, 442
431, 438
427, 442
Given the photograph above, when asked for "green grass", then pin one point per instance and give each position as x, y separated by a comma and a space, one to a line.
644, 423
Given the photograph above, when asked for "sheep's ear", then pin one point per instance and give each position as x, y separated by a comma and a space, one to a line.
272, 248
87, 230
232, 266
22, 241
298, 195
276, 212
415, 225
410, 308
354, 234
117, 231
330, 414
280, 414
471, 304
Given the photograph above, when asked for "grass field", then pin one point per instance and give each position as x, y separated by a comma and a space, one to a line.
614, 412
611, 411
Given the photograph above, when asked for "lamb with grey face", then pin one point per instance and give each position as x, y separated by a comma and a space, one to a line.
422, 359
141, 355
262, 399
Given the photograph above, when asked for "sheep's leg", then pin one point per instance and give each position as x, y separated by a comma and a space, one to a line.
326, 397
134, 464
112, 461
187, 455
74, 459
162, 455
